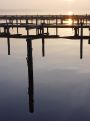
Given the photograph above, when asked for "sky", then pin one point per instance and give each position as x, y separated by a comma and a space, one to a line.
48, 5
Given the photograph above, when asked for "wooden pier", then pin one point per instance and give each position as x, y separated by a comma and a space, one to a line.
41, 25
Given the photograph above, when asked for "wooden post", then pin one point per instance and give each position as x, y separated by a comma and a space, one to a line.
76, 31
36, 25
32, 20
43, 41
47, 31
6, 20
47, 21
37, 31
86, 19
27, 31
89, 36
8, 39
40, 30
8, 43
26, 20
61, 21
27, 26
43, 47
78, 21
56, 26
20, 21
72, 21
43, 20
5, 30
30, 75
0, 30
81, 42
17, 24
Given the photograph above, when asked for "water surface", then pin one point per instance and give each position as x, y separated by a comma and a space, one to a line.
61, 81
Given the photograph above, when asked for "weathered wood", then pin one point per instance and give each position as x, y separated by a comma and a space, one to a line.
81, 42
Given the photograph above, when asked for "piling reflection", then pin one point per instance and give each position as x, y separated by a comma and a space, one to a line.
8, 43
30, 75
43, 47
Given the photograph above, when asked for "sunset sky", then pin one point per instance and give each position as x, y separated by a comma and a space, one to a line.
47, 5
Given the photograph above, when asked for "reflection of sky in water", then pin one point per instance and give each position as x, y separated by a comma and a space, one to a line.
61, 81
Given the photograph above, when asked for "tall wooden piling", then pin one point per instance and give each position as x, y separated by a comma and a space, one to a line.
81, 42
43, 41
43, 47
30, 75
89, 36
56, 26
8, 43
27, 26
8, 38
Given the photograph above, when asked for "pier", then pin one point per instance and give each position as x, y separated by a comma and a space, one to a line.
41, 24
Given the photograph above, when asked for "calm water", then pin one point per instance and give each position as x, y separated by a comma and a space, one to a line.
61, 81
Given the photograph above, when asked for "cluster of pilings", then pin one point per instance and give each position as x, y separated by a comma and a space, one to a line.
41, 24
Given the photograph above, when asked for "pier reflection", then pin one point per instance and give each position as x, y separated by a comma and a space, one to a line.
8, 43
30, 69
30, 75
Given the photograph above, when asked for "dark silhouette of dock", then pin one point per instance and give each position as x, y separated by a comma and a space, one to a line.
42, 24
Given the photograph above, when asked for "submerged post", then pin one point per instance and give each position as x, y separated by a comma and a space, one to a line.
56, 26
43, 47
89, 36
8, 43
43, 41
30, 75
81, 42
8, 39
